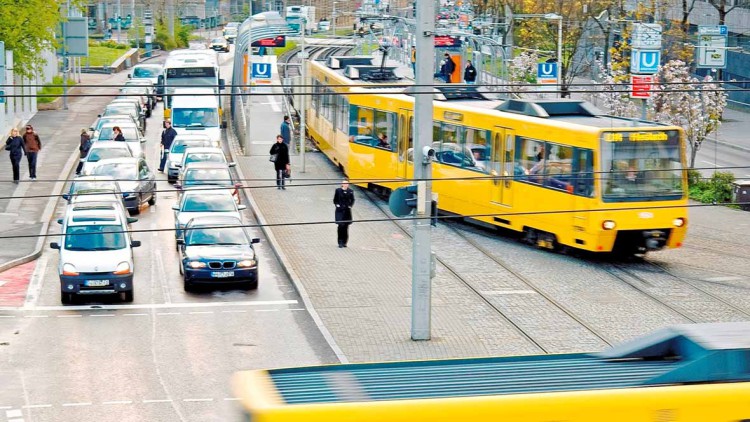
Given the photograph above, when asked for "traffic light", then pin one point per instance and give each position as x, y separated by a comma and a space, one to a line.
404, 200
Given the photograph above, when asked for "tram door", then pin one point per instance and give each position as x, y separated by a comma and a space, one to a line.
503, 145
405, 143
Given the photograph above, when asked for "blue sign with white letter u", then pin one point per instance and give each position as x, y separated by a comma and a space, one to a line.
546, 70
262, 70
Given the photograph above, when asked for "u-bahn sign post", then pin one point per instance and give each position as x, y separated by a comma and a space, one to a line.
644, 60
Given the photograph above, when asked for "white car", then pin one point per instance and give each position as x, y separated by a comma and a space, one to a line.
103, 150
200, 203
133, 137
197, 155
179, 145
96, 255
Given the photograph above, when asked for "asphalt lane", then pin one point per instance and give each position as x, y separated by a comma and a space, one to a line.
169, 355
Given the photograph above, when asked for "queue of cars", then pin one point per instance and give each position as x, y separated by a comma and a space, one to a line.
95, 245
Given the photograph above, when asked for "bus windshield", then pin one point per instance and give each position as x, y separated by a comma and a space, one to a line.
195, 117
641, 166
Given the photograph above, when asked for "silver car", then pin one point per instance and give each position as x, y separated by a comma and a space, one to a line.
103, 150
132, 136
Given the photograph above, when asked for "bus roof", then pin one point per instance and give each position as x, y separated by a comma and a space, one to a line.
698, 353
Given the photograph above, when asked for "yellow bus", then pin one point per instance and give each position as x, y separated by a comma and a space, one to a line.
693, 373
558, 171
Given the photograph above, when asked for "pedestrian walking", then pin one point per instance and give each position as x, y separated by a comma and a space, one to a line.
447, 67
167, 137
117, 134
280, 157
344, 201
470, 73
33, 145
414, 60
286, 130
15, 145
84, 149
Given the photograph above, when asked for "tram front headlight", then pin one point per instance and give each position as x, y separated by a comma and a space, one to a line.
608, 225
678, 222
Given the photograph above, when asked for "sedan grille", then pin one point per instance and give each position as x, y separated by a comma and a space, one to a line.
217, 265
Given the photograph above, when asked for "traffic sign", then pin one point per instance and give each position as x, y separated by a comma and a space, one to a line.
546, 73
641, 86
712, 47
645, 61
262, 70
713, 30
646, 36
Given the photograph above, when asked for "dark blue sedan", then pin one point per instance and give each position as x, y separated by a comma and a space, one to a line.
217, 251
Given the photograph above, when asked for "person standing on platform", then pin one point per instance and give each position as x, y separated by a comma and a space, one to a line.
33, 145
280, 157
14, 144
344, 201
414, 61
167, 137
83, 148
286, 131
470, 73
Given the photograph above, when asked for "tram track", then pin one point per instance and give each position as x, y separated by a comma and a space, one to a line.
514, 321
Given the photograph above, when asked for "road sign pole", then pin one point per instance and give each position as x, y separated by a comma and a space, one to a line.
303, 97
421, 256
250, 82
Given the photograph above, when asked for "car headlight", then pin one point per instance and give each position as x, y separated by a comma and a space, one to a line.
247, 263
69, 269
196, 264
678, 222
608, 225
123, 268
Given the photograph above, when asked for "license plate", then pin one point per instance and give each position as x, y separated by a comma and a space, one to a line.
222, 274
96, 283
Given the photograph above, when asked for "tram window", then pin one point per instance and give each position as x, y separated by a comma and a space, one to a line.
315, 103
385, 129
328, 105
343, 114
558, 170
360, 125
583, 170
478, 141
530, 155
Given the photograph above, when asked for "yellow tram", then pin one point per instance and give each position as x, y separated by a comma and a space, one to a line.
558, 171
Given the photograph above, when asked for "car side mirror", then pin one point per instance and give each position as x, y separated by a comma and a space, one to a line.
54, 245
241, 207
232, 164
59, 221
124, 194
98, 115
255, 240
176, 207
132, 220
135, 243
129, 76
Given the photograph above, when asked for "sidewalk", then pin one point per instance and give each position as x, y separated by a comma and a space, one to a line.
59, 130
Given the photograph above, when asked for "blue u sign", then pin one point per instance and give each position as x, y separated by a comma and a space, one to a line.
645, 61
546, 70
262, 70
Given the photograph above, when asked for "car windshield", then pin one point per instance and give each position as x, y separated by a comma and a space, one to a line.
130, 133
195, 117
120, 171
211, 157
208, 203
181, 145
207, 177
216, 236
93, 186
641, 166
134, 90
119, 109
146, 72
218, 40
97, 154
94, 238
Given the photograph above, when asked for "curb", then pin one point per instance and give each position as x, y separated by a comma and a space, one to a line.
286, 265
49, 211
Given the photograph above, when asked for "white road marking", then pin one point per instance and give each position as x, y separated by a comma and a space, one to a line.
134, 314
15, 413
168, 313
297, 309
35, 285
15, 420
102, 315
153, 306
266, 310
36, 406
231, 398
710, 163
7, 316
509, 292
70, 316
158, 401
76, 404
118, 402
162, 276
36, 316
194, 400
234, 311
728, 278
201, 312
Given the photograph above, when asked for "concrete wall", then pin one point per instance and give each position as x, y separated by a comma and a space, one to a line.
18, 110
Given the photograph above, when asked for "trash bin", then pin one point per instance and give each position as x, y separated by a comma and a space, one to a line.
742, 194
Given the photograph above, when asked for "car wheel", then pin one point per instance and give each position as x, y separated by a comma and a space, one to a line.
152, 201
67, 298
126, 296
189, 287
250, 285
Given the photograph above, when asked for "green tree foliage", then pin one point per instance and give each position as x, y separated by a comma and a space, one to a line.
716, 189
28, 27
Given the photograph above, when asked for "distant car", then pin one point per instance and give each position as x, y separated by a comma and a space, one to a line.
142, 92
117, 118
151, 72
140, 102
136, 180
219, 44
203, 203
126, 108
130, 132
192, 155
179, 145
217, 256
147, 84
209, 174
103, 150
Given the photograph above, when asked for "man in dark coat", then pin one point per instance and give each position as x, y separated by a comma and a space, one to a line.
167, 137
281, 161
470, 73
33, 146
344, 201
286, 131
447, 68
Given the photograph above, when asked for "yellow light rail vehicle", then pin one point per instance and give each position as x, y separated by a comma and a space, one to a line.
690, 373
559, 171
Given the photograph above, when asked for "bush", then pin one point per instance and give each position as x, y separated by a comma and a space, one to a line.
717, 189
50, 90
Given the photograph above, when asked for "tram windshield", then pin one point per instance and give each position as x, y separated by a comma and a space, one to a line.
641, 166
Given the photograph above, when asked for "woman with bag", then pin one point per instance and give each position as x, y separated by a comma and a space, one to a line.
84, 149
280, 158
17, 149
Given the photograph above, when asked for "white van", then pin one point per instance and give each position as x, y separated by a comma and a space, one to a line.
196, 111
96, 255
